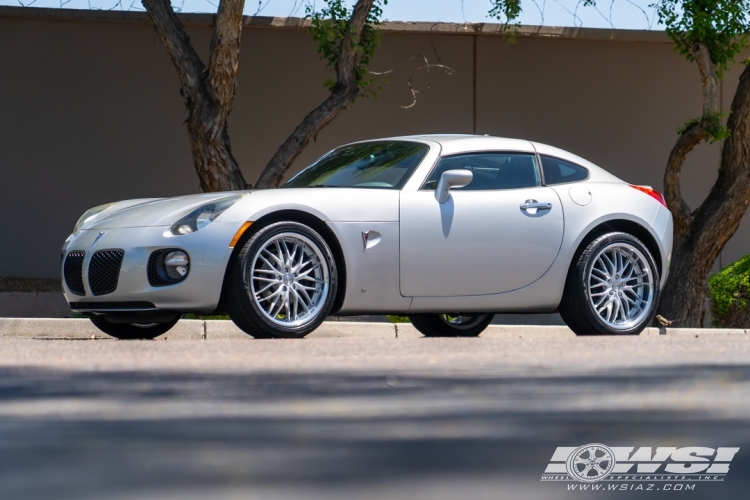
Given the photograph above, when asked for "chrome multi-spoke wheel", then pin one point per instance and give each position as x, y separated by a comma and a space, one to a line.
612, 287
451, 324
620, 285
282, 283
288, 279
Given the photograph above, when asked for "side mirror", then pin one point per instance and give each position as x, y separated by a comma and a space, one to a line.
451, 179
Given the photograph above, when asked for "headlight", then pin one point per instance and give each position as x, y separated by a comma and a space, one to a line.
203, 216
91, 215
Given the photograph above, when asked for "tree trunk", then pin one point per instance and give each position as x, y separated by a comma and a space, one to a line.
208, 92
702, 234
343, 94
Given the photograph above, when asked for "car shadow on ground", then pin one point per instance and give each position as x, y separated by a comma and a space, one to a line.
73, 434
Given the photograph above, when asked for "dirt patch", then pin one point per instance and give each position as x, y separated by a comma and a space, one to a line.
30, 285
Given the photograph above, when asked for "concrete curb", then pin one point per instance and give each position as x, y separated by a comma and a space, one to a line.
48, 328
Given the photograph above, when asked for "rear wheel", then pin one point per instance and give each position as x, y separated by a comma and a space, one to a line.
612, 287
282, 283
133, 331
451, 325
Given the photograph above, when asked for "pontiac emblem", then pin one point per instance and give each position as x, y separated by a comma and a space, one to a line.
98, 237
365, 237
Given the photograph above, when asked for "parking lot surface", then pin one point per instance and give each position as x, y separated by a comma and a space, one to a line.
346, 418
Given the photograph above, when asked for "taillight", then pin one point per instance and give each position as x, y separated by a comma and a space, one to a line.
652, 193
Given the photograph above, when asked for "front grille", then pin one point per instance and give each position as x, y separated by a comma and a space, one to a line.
111, 306
154, 277
104, 271
73, 272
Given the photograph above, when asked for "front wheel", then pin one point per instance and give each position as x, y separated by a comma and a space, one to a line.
612, 287
133, 331
282, 283
451, 325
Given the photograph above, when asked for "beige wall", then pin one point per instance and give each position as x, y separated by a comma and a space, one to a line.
90, 111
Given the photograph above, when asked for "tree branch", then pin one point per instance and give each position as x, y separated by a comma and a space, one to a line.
707, 70
719, 216
344, 92
348, 60
690, 137
225, 51
681, 212
318, 118
176, 40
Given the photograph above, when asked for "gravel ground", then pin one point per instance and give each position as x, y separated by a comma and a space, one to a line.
358, 418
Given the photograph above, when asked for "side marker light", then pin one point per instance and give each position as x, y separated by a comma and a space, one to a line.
239, 234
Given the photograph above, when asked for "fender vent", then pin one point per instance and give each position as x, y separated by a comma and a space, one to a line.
73, 272
104, 271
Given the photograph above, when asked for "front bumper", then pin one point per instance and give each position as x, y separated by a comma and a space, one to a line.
200, 292
664, 228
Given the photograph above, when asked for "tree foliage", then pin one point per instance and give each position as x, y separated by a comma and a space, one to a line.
505, 11
720, 25
730, 295
331, 25
713, 123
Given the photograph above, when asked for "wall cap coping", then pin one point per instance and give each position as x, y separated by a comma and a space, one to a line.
261, 22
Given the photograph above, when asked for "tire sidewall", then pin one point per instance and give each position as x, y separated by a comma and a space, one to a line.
432, 325
248, 253
131, 331
589, 254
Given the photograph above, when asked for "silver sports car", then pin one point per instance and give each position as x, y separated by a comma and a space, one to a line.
447, 229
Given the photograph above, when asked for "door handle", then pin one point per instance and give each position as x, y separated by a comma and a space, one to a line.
535, 204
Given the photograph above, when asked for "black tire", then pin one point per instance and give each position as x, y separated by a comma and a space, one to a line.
438, 325
577, 309
246, 311
133, 331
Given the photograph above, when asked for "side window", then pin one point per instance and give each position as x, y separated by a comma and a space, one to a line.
491, 170
557, 171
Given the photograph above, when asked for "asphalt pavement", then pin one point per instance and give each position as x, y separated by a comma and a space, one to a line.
344, 418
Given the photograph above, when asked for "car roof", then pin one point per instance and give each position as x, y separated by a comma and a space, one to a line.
466, 143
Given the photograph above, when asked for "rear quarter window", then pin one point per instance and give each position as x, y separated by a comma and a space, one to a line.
557, 171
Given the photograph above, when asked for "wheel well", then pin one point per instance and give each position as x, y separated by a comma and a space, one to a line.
625, 226
304, 218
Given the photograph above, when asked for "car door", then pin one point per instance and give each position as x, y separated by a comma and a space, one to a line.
487, 238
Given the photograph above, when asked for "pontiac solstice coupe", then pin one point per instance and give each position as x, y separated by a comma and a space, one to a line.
448, 230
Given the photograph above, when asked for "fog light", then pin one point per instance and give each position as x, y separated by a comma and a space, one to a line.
176, 265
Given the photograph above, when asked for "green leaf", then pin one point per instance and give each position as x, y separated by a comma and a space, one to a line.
730, 293
720, 25
712, 122
330, 25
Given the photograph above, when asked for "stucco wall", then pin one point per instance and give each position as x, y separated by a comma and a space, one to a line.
90, 111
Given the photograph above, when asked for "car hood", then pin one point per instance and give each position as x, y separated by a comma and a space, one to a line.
158, 212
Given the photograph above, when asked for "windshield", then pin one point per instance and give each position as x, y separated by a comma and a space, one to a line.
379, 165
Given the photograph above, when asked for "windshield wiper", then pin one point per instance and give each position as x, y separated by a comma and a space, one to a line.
326, 186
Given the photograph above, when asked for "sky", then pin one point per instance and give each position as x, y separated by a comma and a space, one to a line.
622, 14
